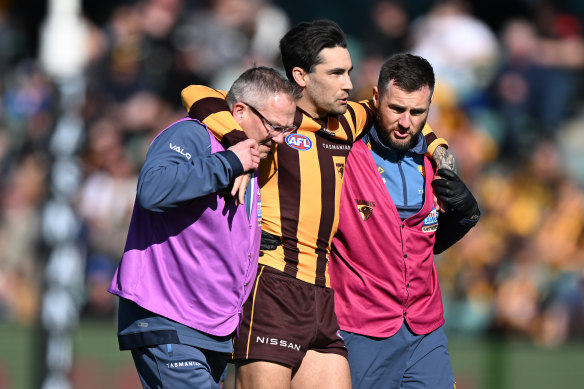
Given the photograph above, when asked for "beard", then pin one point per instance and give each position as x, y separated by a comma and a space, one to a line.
398, 145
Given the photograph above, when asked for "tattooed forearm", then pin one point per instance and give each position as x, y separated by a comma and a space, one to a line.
444, 159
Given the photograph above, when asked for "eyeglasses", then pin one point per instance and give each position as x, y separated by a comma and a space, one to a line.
274, 130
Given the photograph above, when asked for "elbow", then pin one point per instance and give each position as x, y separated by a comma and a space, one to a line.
439, 249
148, 203
148, 200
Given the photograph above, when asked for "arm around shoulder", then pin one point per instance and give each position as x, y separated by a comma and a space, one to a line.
209, 107
462, 210
180, 167
438, 149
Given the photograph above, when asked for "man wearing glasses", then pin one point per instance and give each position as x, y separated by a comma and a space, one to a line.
191, 254
274, 132
289, 337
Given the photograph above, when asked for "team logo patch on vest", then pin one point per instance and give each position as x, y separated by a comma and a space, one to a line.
365, 208
259, 207
340, 168
299, 142
431, 221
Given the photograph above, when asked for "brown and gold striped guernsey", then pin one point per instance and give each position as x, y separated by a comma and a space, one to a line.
300, 180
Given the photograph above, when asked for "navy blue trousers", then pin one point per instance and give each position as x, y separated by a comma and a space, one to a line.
179, 366
402, 361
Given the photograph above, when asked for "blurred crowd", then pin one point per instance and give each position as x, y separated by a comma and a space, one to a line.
509, 99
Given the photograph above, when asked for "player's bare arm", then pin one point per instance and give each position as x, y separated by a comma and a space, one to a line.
444, 159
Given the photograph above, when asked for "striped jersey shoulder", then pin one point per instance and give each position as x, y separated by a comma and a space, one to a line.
200, 96
432, 140
360, 116
208, 106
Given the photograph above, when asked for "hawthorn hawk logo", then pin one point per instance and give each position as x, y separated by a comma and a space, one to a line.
365, 208
340, 168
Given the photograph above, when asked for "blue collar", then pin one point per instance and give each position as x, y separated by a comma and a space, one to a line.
382, 149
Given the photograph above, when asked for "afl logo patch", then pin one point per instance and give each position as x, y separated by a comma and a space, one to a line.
431, 221
299, 142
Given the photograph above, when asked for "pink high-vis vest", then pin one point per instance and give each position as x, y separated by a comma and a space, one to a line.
193, 264
382, 269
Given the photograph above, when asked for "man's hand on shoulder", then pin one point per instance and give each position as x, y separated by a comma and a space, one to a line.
452, 192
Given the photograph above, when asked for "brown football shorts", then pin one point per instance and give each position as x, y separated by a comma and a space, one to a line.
284, 317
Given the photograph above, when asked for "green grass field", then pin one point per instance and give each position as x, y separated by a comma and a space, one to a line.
478, 364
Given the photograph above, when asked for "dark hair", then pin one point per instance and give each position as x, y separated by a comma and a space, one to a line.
301, 46
409, 72
258, 83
